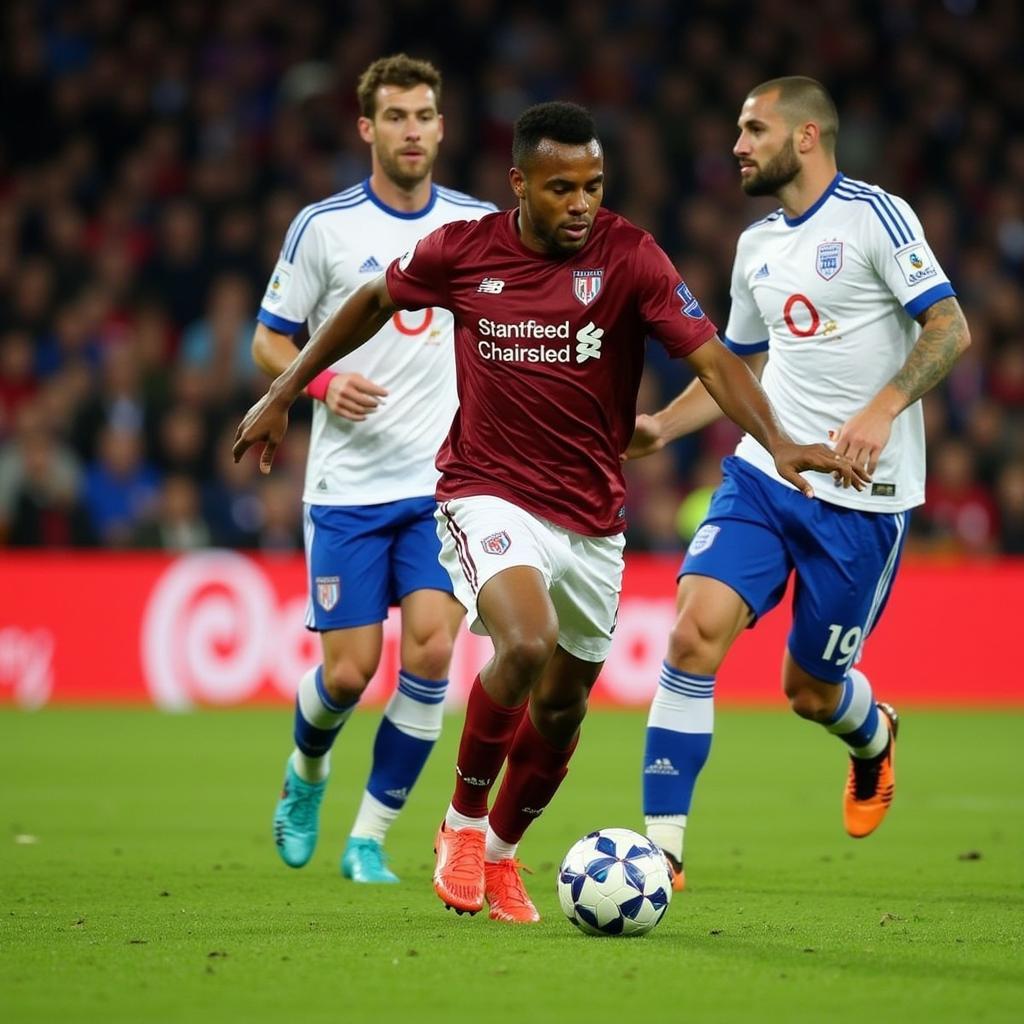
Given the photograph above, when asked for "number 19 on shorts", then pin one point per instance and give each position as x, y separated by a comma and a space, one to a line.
842, 645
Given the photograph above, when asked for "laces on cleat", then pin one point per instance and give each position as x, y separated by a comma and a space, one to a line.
863, 783
870, 783
459, 872
506, 894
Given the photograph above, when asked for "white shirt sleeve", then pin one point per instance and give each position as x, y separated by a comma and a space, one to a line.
298, 280
746, 332
901, 257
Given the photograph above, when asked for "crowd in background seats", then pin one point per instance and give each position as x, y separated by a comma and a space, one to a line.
151, 160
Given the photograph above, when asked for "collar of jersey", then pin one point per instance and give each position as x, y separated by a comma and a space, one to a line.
792, 222
400, 214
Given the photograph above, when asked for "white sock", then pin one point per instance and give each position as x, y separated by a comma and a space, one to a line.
311, 769
455, 820
666, 831
495, 848
374, 819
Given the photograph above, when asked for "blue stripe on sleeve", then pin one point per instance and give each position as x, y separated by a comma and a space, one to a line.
888, 201
920, 303
289, 253
278, 323
872, 201
314, 208
745, 348
450, 195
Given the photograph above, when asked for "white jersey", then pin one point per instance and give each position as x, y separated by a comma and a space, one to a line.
832, 296
331, 249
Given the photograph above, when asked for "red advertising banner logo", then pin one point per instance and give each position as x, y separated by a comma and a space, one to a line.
223, 628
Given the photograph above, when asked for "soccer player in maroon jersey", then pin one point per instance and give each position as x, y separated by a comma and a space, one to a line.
553, 300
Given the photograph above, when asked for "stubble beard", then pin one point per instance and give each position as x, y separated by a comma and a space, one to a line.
775, 174
406, 182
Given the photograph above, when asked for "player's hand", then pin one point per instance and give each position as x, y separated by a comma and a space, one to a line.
353, 397
646, 439
863, 436
793, 459
266, 422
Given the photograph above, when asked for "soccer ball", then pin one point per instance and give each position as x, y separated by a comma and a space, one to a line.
614, 882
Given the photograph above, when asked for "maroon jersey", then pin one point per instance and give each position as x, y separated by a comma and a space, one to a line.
548, 354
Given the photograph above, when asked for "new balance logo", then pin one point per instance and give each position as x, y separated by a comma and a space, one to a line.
661, 766
491, 286
370, 266
588, 342
762, 271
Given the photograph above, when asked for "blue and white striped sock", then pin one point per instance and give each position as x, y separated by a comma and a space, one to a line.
856, 720
678, 742
407, 733
318, 720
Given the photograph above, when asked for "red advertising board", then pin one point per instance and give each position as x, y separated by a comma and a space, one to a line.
223, 628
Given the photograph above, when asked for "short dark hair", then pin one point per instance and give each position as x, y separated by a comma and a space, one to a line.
399, 70
805, 99
568, 123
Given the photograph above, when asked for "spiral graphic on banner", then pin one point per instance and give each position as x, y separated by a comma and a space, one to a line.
296, 649
206, 631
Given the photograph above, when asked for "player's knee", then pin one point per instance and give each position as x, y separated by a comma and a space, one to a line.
430, 656
694, 645
810, 702
345, 681
525, 655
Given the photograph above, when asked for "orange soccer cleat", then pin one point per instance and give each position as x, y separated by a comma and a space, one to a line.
506, 895
676, 872
459, 871
871, 784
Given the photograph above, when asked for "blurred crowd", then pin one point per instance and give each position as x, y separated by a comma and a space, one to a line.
151, 159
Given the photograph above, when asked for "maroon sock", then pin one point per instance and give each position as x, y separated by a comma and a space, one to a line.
535, 771
486, 737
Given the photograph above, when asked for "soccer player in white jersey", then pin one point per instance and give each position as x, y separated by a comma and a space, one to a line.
379, 417
840, 305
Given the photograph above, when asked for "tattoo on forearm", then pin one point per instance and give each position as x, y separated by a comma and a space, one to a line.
937, 349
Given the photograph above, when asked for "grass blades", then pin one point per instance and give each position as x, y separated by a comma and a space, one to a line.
139, 882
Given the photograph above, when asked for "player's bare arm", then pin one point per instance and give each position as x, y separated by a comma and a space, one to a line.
943, 339
349, 395
737, 391
271, 350
352, 324
690, 411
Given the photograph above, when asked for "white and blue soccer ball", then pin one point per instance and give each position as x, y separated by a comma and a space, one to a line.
614, 882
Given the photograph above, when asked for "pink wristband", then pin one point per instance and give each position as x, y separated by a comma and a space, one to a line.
317, 387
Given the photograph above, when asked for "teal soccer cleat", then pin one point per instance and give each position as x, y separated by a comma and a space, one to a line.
364, 860
297, 818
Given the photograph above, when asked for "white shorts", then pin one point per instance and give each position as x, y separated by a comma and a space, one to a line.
482, 535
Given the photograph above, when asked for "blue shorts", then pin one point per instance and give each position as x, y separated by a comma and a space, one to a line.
362, 559
757, 531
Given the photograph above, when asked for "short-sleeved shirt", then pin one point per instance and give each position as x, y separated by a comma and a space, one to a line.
832, 296
331, 249
549, 352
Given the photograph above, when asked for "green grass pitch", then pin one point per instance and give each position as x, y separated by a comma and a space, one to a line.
140, 883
